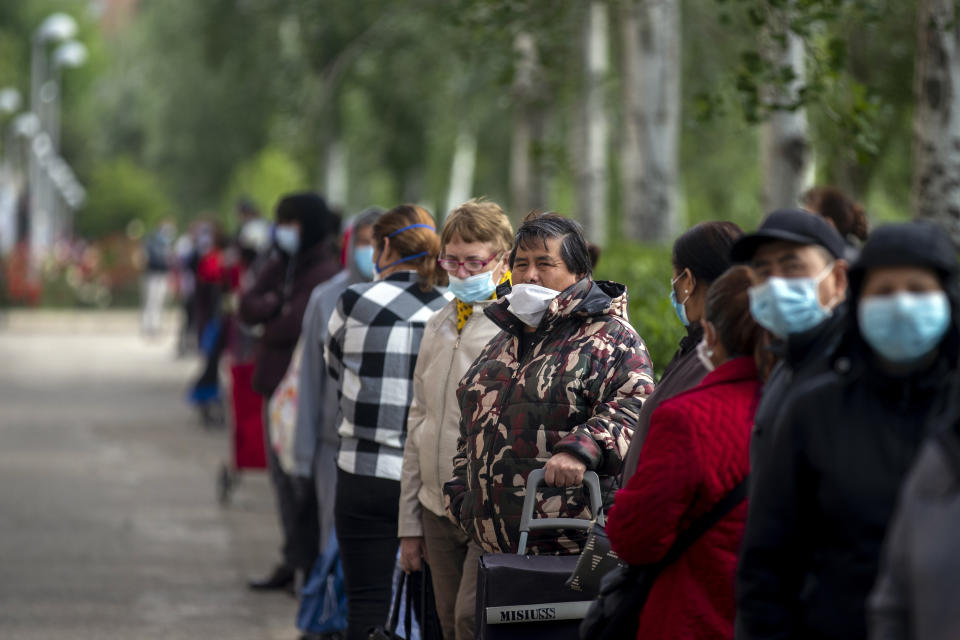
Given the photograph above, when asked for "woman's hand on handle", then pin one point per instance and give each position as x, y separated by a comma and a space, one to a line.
564, 470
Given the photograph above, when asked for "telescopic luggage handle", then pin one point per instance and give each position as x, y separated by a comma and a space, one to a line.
528, 523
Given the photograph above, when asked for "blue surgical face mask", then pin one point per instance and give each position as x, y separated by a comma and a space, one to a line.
288, 239
785, 306
678, 306
904, 327
474, 288
363, 260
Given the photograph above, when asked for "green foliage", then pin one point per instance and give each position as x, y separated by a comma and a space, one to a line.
121, 191
862, 127
195, 91
719, 164
191, 95
859, 62
647, 272
264, 179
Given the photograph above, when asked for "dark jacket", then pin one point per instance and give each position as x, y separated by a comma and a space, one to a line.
799, 357
684, 372
577, 389
277, 301
824, 490
916, 592
843, 444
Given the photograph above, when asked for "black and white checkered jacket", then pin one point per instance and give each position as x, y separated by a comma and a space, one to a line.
374, 338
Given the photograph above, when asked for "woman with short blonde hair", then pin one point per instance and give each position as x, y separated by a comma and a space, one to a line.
476, 241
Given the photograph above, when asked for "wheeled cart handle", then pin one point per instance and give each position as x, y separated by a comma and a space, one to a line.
528, 523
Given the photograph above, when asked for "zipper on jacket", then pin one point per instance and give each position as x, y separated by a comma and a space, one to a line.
443, 409
504, 547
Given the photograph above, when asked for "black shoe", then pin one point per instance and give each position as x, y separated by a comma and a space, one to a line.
280, 580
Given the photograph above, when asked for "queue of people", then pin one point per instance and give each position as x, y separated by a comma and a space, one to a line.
439, 364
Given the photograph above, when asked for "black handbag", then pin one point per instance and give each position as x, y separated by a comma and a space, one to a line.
389, 631
596, 560
624, 589
425, 605
428, 619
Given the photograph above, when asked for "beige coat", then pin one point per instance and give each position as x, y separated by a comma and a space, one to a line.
433, 424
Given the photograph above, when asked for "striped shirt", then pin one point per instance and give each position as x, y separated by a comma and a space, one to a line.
374, 337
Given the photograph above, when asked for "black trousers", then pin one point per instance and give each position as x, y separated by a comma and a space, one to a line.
296, 509
366, 513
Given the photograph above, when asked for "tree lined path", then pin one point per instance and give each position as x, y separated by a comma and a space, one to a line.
109, 526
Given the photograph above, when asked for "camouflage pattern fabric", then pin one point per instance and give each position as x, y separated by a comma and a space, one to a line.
577, 389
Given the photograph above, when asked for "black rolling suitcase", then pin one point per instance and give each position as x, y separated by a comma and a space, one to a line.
522, 596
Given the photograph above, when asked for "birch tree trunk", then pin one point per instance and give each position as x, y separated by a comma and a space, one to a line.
336, 174
786, 152
520, 164
527, 182
936, 120
592, 174
651, 78
461, 170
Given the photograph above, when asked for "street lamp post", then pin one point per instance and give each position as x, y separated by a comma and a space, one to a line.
68, 55
56, 27
9, 105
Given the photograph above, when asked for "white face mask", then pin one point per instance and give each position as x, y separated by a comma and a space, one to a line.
705, 355
528, 302
288, 239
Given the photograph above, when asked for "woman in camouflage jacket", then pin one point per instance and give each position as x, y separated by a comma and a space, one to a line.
573, 385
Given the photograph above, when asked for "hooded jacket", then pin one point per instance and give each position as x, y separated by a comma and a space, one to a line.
279, 297
577, 388
841, 447
916, 592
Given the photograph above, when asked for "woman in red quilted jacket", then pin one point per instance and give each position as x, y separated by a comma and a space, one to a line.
697, 451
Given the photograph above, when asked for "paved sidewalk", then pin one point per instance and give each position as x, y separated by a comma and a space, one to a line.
109, 525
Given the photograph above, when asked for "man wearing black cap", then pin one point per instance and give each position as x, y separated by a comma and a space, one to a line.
797, 255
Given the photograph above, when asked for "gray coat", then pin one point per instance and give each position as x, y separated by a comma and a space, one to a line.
917, 595
317, 401
315, 439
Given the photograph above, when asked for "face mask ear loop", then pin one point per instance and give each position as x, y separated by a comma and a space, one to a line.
498, 262
674, 283
827, 270
376, 260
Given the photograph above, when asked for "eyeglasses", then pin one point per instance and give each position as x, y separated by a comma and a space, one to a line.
473, 266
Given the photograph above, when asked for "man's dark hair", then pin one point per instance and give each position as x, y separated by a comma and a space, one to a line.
537, 226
